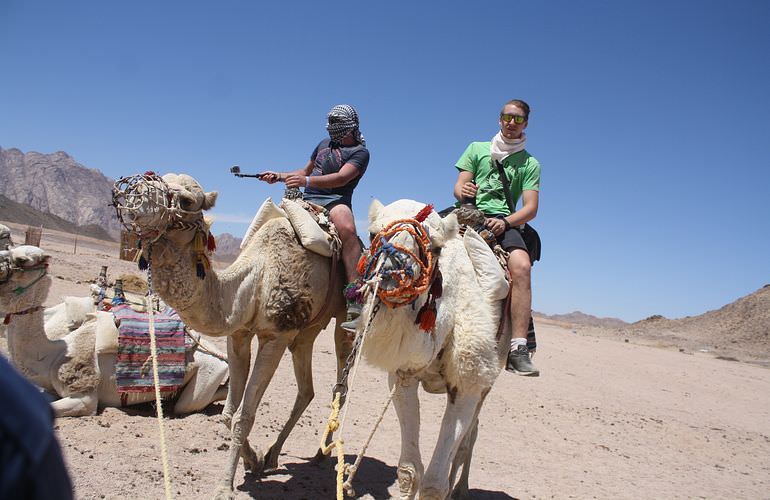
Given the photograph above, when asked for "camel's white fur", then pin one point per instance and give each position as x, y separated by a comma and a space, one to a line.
462, 357
68, 364
272, 291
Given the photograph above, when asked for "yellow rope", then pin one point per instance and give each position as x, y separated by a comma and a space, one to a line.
331, 426
159, 406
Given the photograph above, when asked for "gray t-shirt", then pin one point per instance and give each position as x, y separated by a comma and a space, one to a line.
328, 158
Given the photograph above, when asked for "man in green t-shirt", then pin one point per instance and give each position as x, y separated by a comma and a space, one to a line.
479, 181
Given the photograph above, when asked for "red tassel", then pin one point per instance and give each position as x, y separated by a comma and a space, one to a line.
424, 213
426, 318
211, 244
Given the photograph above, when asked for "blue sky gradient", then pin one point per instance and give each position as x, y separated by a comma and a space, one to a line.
648, 117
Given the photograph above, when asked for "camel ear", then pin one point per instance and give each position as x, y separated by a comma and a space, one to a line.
209, 199
374, 210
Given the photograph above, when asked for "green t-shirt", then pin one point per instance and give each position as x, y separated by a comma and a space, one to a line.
522, 170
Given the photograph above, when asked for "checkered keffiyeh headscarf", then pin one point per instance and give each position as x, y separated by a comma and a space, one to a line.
341, 120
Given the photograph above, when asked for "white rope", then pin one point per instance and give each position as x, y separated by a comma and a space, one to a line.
352, 469
159, 406
358, 358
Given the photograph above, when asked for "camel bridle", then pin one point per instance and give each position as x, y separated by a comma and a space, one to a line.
149, 197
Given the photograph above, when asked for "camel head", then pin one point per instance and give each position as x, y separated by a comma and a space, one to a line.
23, 278
5, 237
406, 238
166, 212
152, 205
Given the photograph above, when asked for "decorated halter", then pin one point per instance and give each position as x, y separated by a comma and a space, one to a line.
148, 197
408, 284
7, 270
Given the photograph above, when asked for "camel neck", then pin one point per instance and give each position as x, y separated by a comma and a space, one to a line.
31, 351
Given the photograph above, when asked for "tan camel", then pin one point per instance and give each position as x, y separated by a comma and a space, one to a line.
72, 367
461, 355
275, 291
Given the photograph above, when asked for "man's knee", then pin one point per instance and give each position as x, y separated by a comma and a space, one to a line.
519, 265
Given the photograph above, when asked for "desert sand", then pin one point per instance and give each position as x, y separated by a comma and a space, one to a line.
606, 419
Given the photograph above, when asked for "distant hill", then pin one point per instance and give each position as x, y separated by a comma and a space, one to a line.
56, 184
579, 318
11, 211
228, 246
744, 323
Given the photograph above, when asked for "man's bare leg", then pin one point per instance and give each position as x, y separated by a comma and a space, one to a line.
521, 309
343, 220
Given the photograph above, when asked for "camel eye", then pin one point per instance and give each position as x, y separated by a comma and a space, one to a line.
186, 203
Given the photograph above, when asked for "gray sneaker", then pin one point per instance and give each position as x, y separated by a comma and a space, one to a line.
354, 314
520, 363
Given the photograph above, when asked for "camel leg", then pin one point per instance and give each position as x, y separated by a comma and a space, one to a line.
463, 458
302, 358
239, 362
407, 406
76, 406
268, 357
201, 389
458, 419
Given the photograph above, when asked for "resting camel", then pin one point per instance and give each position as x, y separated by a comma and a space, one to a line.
70, 366
275, 290
460, 353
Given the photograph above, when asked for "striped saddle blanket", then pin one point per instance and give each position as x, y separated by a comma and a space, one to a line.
133, 368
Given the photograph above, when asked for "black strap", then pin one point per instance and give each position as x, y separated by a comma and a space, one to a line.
506, 186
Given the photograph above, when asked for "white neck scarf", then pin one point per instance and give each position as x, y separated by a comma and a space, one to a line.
502, 147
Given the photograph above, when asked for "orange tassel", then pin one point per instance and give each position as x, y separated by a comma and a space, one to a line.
361, 267
212, 243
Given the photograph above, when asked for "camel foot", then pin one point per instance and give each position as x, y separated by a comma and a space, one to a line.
408, 481
224, 493
271, 461
460, 493
253, 461
431, 493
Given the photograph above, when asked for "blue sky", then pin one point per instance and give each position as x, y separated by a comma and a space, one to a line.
649, 118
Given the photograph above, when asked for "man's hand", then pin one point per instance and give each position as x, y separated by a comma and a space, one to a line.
469, 190
270, 177
295, 181
497, 226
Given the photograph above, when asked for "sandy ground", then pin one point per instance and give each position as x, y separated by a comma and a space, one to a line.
606, 419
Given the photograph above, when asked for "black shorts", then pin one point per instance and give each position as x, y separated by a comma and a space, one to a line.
328, 201
526, 238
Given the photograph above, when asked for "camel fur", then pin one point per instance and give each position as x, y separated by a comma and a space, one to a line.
272, 292
70, 366
461, 356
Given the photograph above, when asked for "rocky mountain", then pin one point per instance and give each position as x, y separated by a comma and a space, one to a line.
228, 246
11, 211
56, 184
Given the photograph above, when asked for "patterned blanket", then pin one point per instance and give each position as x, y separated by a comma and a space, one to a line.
133, 368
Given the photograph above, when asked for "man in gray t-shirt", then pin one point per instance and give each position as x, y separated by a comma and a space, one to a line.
329, 178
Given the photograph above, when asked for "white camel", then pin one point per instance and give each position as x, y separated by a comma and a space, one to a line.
72, 367
276, 290
462, 355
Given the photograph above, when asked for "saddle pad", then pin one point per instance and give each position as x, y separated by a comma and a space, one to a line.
310, 234
489, 274
267, 211
133, 367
